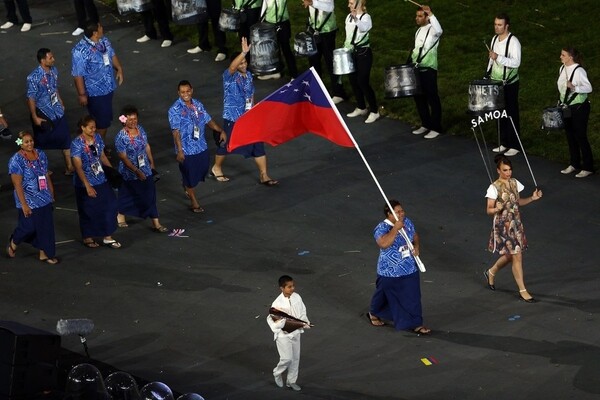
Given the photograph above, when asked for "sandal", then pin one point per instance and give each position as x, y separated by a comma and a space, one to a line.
51, 261
112, 243
218, 178
92, 244
197, 210
11, 249
270, 182
160, 229
373, 320
421, 330
122, 224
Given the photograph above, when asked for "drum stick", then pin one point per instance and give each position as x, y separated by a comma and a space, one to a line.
486, 46
416, 4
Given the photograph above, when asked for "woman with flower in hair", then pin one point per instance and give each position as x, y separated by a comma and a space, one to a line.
34, 195
137, 194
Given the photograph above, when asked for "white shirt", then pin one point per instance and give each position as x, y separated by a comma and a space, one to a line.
293, 306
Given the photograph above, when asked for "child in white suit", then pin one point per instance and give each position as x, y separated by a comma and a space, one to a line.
288, 344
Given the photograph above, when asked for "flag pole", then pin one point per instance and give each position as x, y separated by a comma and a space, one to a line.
360, 153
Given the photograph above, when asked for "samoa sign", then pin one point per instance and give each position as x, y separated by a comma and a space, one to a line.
488, 116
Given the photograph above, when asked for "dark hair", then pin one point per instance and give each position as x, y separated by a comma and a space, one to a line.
502, 159
84, 121
90, 28
22, 134
573, 52
129, 110
41, 53
184, 83
393, 203
284, 279
503, 16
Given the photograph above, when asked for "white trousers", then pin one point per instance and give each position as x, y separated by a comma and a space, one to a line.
289, 357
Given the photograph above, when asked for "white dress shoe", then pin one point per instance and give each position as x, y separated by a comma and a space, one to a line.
337, 99
7, 25
166, 43
583, 174
26, 27
77, 32
420, 131
357, 112
195, 50
294, 387
276, 75
372, 118
568, 170
143, 39
511, 152
220, 57
499, 149
432, 135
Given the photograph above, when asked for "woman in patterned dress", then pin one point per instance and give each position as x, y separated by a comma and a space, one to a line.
508, 236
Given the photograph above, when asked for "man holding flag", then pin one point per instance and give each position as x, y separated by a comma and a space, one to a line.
238, 97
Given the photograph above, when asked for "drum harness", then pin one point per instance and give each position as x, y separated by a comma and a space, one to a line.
277, 16
489, 71
421, 56
359, 48
314, 31
566, 101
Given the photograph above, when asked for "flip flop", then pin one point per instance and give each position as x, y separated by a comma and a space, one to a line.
51, 261
197, 210
122, 224
112, 243
11, 251
374, 320
218, 178
270, 182
160, 229
91, 244
421, 330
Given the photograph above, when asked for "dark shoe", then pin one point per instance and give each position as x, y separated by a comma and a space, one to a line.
531, 300
486, 273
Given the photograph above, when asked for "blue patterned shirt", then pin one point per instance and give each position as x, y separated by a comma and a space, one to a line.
42, 88
89, 156
89, 63
184, 119
134, 148
391, 264
30, 171
237, 88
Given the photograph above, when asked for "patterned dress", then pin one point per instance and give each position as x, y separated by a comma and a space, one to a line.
508, 234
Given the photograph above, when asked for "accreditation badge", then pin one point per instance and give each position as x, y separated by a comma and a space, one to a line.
248, 104
404, 251
141, 161
54, 98
196, 132
105, 59
42, 183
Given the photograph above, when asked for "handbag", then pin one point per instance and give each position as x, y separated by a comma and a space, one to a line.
114, 178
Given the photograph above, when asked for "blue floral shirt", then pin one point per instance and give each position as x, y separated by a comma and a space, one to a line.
184, 119
391, 262
135, 148
90, 159
237, 89
94, 62
42, 87
30, 171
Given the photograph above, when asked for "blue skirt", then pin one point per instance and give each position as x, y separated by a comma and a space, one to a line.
100, 107
194, 169
138, 198
37, 230
57, 137
398, 300
97, 215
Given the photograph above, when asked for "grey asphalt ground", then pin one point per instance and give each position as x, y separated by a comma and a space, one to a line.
190, 311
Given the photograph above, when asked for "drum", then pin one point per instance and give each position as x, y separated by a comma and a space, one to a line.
264, 52
401, 81
343, 63
229, 20
133, 6
187, 12
486, 95
304, 44
552, 118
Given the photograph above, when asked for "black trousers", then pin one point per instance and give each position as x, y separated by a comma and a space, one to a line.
361, 78
213, 8
576, 129
428, 103
325, 49
83, 6
508, 137
252, 17
284, 34
161, 11
11, 11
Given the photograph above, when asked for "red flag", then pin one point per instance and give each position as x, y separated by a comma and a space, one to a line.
298, 107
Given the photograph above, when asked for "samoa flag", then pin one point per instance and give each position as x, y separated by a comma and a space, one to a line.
301, 106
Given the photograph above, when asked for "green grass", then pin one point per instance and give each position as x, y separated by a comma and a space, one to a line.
543, 27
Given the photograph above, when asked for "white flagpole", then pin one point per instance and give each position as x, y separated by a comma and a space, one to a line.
337, 113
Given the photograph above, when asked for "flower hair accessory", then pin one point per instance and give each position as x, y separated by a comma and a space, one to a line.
19, 141
123, 119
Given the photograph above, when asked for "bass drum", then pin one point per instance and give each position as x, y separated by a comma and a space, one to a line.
264, 52
552, 118
188, 12
304, 44
343, 62
230, 20
486, 95
133, 6
401, 81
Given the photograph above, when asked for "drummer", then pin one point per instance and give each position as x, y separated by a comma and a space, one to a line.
276, 12
424, 55
503, 65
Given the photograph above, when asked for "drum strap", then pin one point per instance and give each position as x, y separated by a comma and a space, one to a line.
421, 56
247, 4
317, 18
354, 35
566, 100
278, 17
489, 72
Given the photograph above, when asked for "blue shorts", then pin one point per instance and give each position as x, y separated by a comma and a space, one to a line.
250, 150
100, 107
